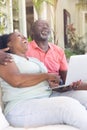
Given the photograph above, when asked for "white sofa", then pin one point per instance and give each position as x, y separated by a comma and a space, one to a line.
5, 126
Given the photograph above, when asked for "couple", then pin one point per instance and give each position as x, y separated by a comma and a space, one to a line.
28, 98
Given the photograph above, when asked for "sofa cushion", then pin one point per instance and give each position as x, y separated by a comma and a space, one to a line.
0, 96
3, 121
1, 103
5, 126
49, 127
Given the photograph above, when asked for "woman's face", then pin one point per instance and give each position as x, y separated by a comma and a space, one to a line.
18, 43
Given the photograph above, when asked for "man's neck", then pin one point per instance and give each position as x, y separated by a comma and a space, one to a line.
43, 45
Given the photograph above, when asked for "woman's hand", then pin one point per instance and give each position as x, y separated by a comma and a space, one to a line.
53, 79
76, 85
53, 84
5, 57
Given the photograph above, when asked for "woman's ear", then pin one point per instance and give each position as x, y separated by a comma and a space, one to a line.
9, 44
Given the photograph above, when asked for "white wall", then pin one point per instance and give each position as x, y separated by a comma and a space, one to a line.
43, 13
22, 17
10, 16
47, 13
69, 5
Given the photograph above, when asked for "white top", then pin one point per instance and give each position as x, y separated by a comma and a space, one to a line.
12, 96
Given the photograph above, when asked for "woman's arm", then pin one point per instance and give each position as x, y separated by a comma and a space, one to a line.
79, 85
11, 75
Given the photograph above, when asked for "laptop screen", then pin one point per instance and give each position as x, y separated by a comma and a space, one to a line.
77, 69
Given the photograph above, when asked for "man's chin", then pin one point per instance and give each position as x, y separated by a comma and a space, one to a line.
44, 37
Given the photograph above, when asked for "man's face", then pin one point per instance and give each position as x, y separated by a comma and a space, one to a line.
41, 30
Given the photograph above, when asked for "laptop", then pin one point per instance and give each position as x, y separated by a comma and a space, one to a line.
77, 70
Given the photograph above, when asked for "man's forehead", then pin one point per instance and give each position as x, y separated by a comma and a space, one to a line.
41, 22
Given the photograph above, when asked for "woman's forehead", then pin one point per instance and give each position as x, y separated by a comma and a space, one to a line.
15, 34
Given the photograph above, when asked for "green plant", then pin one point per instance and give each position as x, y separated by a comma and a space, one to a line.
29, 39
76, 42
15, 5
69, 52
2, 26
72, 36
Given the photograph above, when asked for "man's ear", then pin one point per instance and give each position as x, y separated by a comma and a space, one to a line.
32, 34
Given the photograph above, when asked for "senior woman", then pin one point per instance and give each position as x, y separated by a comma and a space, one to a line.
27, 96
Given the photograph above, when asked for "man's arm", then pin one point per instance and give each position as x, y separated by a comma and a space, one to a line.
5, 57
63, 75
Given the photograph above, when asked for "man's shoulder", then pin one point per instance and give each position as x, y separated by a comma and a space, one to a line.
31, 42
55, 47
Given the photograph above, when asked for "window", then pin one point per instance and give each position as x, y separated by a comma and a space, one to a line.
67, 21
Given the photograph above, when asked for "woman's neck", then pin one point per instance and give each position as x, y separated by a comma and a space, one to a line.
21, 54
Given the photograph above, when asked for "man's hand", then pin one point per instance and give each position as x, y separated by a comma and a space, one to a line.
5, 57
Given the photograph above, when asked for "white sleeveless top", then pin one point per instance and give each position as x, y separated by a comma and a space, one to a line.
12, 96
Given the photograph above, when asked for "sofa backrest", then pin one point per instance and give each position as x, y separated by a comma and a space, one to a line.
1, 103
0, 96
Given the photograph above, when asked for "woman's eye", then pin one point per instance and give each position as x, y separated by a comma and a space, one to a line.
19, 36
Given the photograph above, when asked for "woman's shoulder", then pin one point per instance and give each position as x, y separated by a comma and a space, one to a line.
18, 59
41, 64
34, 59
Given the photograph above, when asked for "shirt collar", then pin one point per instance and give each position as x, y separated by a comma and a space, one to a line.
36, 46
